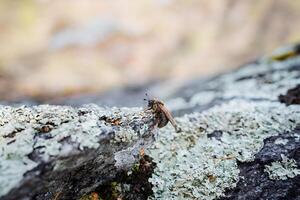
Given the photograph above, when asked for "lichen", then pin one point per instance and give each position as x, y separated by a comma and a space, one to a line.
25, 142
194, 164
281, 141
256, 81
283, 170
191, 165
14, 162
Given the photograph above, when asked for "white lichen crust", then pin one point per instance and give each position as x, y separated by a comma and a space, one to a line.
201, 161
30, 136
231, 116
283, 170
193, 165
256, 81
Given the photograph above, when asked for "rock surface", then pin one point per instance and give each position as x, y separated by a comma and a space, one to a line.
239, 140
59, 152
257, 184
229, 124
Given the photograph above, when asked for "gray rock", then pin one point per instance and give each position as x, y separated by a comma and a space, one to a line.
239, 139
227, 122
257, 182
59, 151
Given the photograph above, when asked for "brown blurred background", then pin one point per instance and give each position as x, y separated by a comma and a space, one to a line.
52, 48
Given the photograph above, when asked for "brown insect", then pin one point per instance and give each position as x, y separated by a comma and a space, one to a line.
163, 115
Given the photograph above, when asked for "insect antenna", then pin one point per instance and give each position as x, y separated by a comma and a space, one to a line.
147, 97
147, 101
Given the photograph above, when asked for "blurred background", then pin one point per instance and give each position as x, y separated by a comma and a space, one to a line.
56, 48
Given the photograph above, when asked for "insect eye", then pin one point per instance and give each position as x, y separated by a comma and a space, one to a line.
154, 106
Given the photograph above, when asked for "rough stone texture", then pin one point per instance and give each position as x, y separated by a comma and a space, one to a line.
194, 164
257, 184
291, 97
130, 185
48, 152
225, 121
234, 129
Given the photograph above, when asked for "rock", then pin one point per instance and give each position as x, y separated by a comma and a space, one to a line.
291, 97
234, 130
238, 140
258, 181
60, 152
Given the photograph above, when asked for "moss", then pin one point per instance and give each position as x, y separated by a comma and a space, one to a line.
134, 185
91, 196
115, 190
135, 167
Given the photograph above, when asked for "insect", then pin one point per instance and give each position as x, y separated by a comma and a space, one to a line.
163, 115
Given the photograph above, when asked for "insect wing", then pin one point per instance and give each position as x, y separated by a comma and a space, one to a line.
167, 113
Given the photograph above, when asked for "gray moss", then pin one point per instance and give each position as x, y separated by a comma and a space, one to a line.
283, 170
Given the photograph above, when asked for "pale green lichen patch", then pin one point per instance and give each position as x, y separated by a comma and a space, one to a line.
283, 170
281, 141
270, 86
260, 80
14, 162
194, 165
